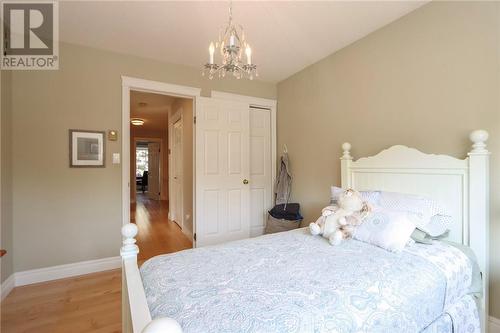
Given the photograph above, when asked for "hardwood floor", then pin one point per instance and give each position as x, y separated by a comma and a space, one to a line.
90, 303
156, 234
87, 303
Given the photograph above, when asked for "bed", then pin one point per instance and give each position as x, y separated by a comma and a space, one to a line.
293, 282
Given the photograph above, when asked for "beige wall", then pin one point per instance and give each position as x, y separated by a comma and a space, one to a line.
137, 132
6, 231
64, 215
425, 81
185, 106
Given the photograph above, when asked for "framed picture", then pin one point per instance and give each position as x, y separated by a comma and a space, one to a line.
86, 149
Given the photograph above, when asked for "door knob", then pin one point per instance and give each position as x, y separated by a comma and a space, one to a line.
245, 181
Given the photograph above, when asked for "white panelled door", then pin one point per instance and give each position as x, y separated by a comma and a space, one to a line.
154, 170
260, 169
222, 171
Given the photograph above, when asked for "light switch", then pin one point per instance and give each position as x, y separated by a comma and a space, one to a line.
116, 158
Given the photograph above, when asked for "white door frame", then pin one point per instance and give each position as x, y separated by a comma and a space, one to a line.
171, 123
136, 84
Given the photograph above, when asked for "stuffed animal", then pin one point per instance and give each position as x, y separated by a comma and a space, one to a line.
338, 222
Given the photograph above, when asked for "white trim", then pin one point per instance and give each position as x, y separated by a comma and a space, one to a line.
57, 272
494, 325
64, 271
125, 152
159, 87
136, 84
256, 101
7, 286
177, 116
274, 143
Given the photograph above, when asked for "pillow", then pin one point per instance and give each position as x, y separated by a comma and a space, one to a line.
422, 237
388, 229
429, 215
417, 204
371, 197
438, 226
433, 218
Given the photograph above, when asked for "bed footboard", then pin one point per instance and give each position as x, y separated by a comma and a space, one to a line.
136, 317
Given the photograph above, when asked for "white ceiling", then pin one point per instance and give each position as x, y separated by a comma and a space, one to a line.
154, 112
286, 36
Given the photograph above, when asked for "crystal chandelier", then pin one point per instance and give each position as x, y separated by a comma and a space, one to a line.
231, 44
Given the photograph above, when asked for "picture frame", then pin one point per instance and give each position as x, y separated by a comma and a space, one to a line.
87, 149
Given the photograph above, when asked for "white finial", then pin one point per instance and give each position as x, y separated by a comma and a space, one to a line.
162, 325
346, 146
129, 231
479, 137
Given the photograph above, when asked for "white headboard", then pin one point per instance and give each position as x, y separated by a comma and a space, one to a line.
460, 184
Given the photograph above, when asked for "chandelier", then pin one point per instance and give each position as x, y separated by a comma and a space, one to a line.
231, 44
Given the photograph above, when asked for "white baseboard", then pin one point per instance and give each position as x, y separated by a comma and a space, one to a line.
57, 272
64, 271
7, 286
188, 233
494, 325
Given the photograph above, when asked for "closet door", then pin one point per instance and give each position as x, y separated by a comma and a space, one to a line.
260, 169
222, 171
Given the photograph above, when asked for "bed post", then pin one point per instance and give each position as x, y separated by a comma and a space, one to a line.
136, 317
128, 253
479, 222
345, 166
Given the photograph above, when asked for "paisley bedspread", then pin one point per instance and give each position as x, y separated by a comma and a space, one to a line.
295, 282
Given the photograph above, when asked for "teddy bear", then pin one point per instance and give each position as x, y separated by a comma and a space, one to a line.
338, 222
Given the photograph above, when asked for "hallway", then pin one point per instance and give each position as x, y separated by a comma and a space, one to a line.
157, 235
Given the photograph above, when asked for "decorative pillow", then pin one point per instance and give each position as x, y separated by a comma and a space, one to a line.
388, 229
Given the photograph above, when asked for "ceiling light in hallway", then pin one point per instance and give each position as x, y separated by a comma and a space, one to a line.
137, 121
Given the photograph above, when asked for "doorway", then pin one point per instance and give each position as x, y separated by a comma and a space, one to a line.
234, 144
157, 175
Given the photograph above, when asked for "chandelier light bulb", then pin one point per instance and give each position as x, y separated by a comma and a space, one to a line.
248, 52
211, 50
